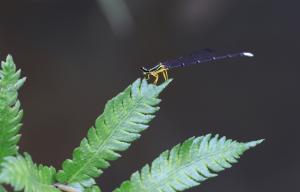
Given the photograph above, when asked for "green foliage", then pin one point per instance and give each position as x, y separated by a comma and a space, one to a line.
93, 189
2, 189
21, 173
10, 113
187, 165
124, 117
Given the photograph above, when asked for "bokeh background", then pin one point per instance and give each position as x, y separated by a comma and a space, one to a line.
78, 54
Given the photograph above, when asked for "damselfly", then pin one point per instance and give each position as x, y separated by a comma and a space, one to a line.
203, 56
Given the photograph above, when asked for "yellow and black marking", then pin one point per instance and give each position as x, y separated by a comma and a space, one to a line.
155, 72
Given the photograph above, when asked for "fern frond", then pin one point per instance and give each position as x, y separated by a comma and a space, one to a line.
93, 189
124, 117
187, 165
2, 189
10, 112
21, 173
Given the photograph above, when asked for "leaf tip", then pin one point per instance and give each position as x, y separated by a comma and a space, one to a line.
162, 86
9, 58
252, 144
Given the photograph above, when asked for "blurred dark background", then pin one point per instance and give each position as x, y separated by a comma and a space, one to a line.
78, 54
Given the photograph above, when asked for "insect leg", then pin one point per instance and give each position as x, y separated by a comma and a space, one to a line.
156, 77
165, 74
147, 76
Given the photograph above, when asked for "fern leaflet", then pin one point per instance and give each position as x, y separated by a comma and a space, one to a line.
93, 189
2, 189
10, 113
21, 173
124, 117
187, 165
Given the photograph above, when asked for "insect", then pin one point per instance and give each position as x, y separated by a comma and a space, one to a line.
203, 56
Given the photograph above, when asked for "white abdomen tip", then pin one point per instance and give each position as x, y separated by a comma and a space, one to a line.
248, 54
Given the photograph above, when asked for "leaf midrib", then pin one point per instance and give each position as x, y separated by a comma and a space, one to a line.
5, 128
103, 144
171, 173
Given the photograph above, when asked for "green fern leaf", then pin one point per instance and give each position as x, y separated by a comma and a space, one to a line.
10, 113
187, 165
21, 173
93, 189
2, 189
124, 117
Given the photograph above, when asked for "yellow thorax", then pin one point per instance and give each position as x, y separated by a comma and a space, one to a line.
155, 73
